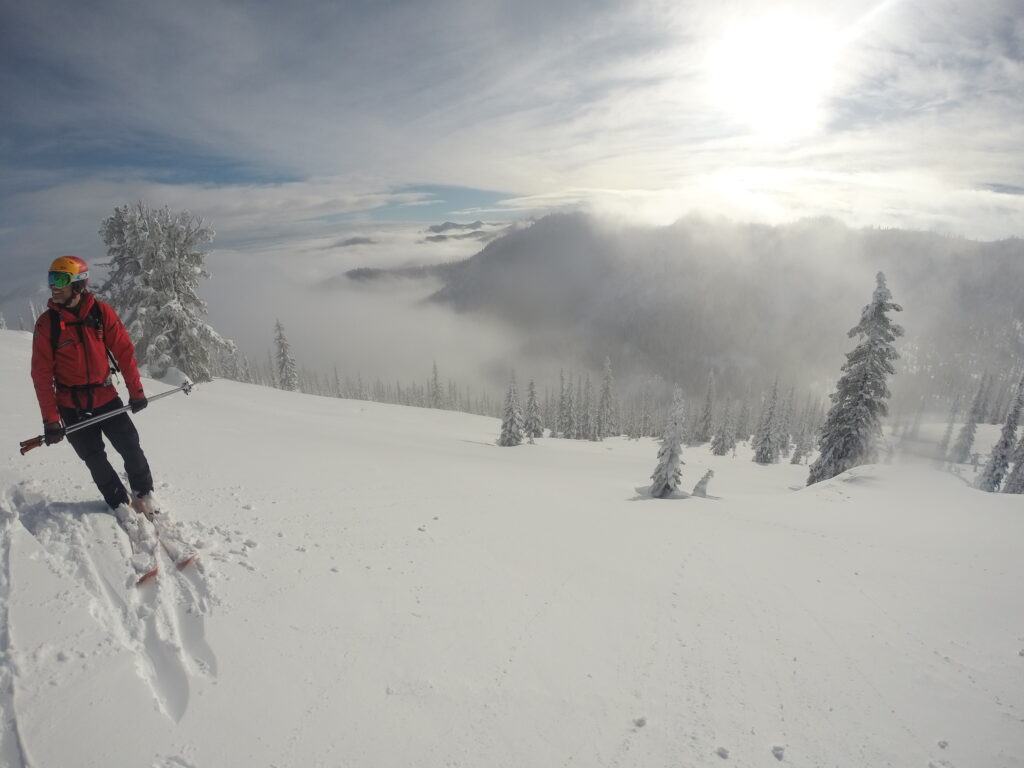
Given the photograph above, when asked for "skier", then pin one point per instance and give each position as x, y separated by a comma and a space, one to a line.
74, 345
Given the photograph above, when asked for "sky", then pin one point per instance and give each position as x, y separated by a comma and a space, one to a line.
289, 125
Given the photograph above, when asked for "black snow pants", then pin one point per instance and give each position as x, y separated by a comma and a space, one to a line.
121, 432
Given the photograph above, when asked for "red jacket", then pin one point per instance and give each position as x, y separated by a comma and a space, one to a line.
81, 358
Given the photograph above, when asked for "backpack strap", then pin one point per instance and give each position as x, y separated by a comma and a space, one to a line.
96, 321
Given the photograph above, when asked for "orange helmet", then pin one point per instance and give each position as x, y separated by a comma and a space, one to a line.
69, 270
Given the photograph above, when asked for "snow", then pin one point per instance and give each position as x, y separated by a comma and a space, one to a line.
384, 586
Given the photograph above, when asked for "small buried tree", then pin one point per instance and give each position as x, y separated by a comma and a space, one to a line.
668, 473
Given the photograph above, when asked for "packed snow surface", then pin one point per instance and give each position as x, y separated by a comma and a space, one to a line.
384, 586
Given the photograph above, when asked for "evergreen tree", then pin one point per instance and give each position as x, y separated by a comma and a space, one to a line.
245, 368
572, 415
287, 373
578, 412
606, 407
548, 411
361, 392
156, 262
988, 385
743, 421
999, 460
725, 436
645, 423
588, 413
703, 429
803, 446
3, 322
1015, 480
436, 395
965, 440
854, 422
512, 420
784, 423
534, 423
33, 311
766, 446
668, 472
564, 424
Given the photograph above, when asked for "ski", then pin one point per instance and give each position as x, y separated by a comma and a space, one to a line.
181, 560
141, 541
181, 553
144, 533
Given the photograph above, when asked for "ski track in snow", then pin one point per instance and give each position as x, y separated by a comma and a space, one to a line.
162, 622
12, 750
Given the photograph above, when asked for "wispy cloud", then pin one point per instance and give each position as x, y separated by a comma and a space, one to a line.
278, 122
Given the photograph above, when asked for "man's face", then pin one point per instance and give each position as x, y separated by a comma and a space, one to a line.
61, 295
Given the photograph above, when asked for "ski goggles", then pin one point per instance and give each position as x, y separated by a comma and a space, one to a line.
64, 279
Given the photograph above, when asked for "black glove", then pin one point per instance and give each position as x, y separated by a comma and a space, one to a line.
53, 432
138, 403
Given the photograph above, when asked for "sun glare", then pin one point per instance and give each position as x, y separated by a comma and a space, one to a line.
772, 74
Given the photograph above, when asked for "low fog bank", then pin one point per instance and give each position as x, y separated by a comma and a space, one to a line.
384, 330
751, 302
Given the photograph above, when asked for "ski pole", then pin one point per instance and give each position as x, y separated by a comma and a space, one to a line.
35, 442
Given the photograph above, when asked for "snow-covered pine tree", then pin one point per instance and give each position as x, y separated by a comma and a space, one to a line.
725, 435
534, 425
245, 370
668, 472
3, 322
803, 444
766, 447
586, 426
572, 416
33, 311
999, 460
1015, 480
436, 394
287, 373
743, 420
645, 420
512, 420
227, 363
156, 262
784, 423
965, 439
703, 428
854, 422
549, 412
563, 425
578, 415
606, 407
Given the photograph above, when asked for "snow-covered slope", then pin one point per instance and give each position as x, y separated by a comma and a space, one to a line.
383, 586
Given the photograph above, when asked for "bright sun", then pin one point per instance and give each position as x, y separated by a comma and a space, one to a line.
772, 74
